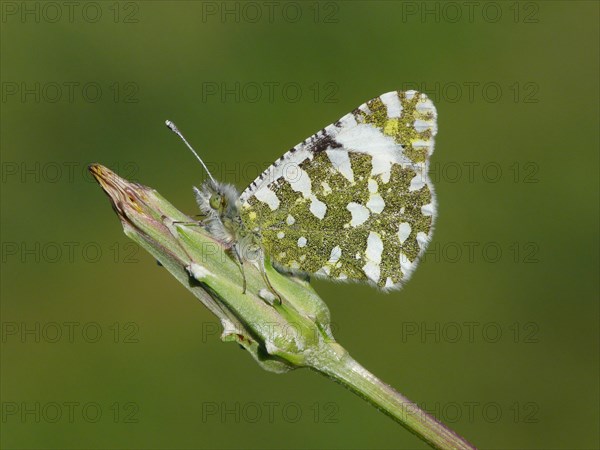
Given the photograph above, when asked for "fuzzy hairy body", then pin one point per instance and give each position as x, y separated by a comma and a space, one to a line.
220, 206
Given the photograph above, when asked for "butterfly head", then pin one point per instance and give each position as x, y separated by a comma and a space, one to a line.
218, 199
219, 205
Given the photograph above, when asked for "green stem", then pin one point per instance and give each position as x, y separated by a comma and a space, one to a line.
338, 365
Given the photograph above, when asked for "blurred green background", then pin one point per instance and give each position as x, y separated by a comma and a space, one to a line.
497, 332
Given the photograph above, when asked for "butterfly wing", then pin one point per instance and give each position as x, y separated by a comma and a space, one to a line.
354, 201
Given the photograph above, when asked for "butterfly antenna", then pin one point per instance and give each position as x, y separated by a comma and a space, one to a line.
175, 130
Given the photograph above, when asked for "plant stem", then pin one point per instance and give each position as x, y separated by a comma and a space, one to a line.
338, 365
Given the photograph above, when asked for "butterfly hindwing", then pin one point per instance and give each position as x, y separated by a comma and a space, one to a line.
354, 201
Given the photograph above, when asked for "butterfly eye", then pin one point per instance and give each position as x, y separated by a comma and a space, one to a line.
216, 201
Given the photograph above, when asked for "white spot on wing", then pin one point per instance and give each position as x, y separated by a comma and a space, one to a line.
317, 207
281, 235
405, 264
323, 271
360, 214
425, 105
347, 121
368, 139
290, 220
267, 196
376, 203
422, 240
385, 174
392, 102
374, 247
341, 162
299, 181
364, 108
422, 125
336, 254
288, 164
428, 209
373, 255
416, 183
372, 185
423, 144
404, 231
302, 241
372, 271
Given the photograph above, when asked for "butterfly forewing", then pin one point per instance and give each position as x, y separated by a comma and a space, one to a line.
354, 201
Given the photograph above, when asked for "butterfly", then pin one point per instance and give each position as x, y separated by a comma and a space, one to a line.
353, 202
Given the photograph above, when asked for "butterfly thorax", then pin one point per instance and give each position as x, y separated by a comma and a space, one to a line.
220, 207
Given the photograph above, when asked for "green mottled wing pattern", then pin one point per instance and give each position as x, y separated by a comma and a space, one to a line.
354, 201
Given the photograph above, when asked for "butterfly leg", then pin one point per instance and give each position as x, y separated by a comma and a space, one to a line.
188, 224
263, 271
235, 251
197, 223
